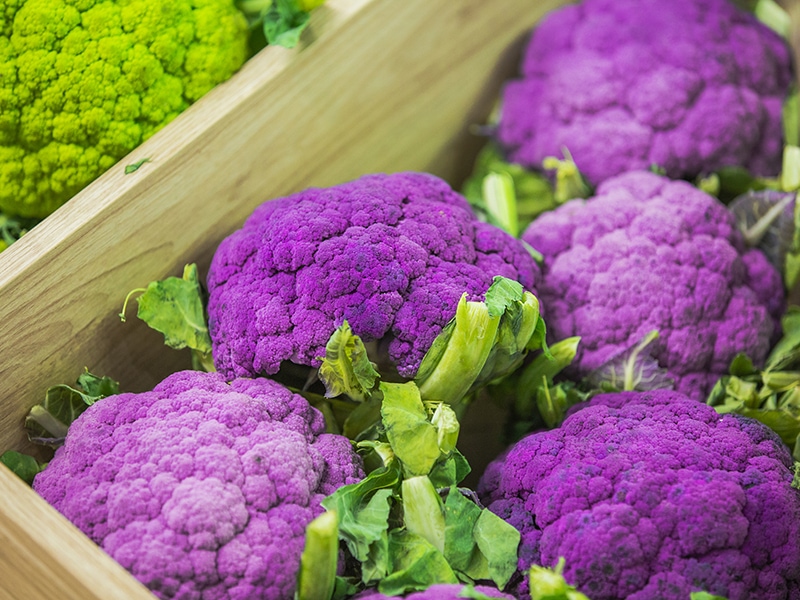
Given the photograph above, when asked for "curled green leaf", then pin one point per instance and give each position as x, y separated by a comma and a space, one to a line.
346, 368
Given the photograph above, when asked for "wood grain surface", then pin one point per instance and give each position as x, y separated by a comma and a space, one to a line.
376, 86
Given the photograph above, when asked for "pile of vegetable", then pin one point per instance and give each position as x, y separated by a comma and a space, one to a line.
617, 283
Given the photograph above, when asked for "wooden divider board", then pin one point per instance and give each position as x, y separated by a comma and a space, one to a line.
376, 86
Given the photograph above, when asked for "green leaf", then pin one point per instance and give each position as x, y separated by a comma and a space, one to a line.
445, 421
24, 466
284, 22
742, 366
461, 514
363, 510
502, 294
97, 387
786, 424
498, 542
344, 588
346, 368
132, 168
451, 471
412, 436
415, 565
785, 352
316, 579
175, 308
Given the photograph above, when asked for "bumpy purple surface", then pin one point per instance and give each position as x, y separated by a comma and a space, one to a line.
649, 496
442, 591
200, 487
391, 254
649, 253
690, 85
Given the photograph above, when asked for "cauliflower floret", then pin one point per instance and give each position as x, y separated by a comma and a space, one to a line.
688, 85
82, 83
391, 254
200, 487
654, 495
649, 253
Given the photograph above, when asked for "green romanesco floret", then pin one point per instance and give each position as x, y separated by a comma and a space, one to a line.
83, 82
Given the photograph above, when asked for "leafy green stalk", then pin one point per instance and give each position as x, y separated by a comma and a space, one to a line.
423, 510
533, 191
501, 201
536, 380
773, 16
484, 341
772, 394
549, 584
281, 22
413, 438
316, 579
394, 522
634, 369
570, 184
456, 357
47, 423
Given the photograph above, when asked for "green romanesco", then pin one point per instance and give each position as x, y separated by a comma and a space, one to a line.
83, 82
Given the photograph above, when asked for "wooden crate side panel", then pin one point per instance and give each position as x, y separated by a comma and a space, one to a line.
42, 556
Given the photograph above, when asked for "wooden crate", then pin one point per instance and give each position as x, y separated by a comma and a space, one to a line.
376, 86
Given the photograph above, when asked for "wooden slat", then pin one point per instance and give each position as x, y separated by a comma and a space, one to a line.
43, 557
378, 85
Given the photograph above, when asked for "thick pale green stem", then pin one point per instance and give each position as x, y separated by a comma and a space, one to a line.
460, 362
317, 576
423, 510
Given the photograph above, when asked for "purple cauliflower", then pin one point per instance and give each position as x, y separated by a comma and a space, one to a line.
441, 591
200, 487
652, 495
391, 254
689, 85
649, 253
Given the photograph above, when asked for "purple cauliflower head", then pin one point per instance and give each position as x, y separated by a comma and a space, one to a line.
649, 253
200, 487
391, 254
441, 591
652, 495
689, 85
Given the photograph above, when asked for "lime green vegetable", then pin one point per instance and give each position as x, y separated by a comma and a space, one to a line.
84, 83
